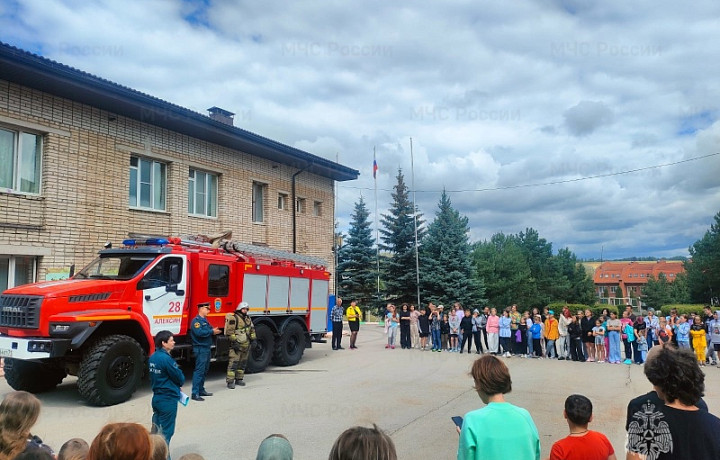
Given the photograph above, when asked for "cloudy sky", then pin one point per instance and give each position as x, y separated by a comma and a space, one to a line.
529, 113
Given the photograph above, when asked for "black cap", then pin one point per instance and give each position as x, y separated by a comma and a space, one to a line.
204, 304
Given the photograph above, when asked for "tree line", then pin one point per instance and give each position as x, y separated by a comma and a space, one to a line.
518, 268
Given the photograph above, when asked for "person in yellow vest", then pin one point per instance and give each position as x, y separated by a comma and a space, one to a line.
354, 315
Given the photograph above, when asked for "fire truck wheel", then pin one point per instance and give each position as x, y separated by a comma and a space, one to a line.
32, 376
291, 346
261, 353
110, 370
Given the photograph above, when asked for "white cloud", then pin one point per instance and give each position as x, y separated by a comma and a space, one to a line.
494, 95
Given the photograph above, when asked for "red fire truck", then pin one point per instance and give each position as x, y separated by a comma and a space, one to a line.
99, 324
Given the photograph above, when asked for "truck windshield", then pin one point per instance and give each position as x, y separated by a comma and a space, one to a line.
116, 266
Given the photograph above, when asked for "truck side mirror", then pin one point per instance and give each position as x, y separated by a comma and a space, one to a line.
175, 274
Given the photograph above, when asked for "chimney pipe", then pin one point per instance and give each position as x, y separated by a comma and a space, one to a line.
221, 115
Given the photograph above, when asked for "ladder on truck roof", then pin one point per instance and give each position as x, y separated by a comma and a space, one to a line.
263, 252
258, 252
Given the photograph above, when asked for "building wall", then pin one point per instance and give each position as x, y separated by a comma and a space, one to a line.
634, 275
85, 187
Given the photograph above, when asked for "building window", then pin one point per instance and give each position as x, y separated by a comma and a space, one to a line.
282, 201
300, 205
258, 194
20, 156
147, 184
16, 270
202, 193
317, 208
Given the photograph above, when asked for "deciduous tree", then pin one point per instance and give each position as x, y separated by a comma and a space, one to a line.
703, 270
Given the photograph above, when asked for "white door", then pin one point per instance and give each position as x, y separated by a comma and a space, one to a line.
164, 293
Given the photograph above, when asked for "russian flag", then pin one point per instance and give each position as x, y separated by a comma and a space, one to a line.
375, 168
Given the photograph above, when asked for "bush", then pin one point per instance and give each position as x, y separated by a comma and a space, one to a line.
683, 308
598, 308
574, 307
595, 309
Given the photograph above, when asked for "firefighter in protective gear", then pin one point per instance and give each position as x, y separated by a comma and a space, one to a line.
241, 332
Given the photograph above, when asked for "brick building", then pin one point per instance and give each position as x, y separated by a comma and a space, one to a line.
621, 283
84, 161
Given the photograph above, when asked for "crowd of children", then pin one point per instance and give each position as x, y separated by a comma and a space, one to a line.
533, 334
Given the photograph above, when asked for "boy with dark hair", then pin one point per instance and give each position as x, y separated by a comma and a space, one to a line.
581, 443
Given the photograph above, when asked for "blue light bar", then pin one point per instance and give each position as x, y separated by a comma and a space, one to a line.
129, 242
156, 241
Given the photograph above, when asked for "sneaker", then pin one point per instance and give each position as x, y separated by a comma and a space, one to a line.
388, 346
627, 361
461, 352
561, 358
392, 346
601, 361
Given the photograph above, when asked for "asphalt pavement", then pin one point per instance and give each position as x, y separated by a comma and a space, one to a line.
411, 394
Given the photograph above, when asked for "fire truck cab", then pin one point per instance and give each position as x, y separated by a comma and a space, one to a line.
99, 325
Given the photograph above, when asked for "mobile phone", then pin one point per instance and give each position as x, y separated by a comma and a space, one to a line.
457, 421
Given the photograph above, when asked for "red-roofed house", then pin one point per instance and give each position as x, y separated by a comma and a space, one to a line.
621, 283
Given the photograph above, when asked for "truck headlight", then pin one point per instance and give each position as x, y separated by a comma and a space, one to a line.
41, 347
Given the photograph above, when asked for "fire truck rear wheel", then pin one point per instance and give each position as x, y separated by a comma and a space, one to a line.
110, 370
262, 352
291, 346
32, 376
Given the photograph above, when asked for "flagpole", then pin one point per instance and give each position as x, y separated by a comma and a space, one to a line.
335, 239
417, 257
377, 232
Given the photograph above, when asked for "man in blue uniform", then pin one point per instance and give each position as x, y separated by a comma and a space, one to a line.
201, 333
166, 378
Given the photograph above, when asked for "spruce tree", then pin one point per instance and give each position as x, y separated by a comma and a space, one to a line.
357, 267
398, 241
447, 274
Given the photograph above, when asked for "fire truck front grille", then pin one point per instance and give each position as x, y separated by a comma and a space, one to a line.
22, 311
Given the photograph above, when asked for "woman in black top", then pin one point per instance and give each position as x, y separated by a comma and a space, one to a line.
466, 326
423, 327
640, 328
405, 327
586, 324
523, 343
